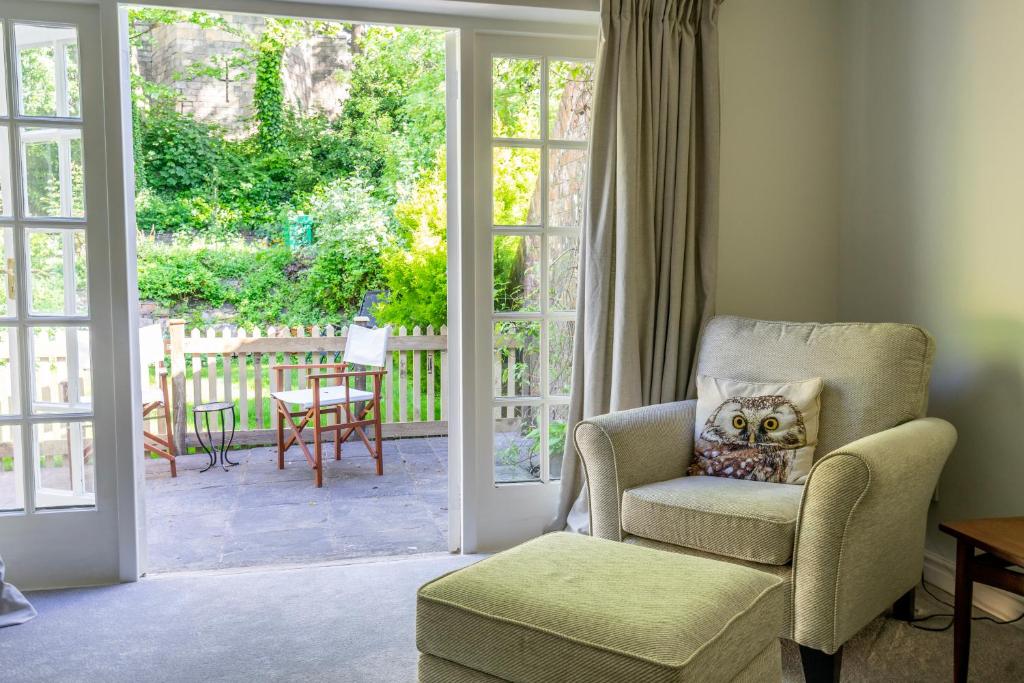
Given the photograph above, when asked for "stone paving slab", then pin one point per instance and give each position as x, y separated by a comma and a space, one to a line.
255, 514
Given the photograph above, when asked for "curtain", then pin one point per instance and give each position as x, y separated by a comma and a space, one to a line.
14, 608
649, 241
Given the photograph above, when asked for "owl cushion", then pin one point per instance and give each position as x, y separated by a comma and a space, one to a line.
750, 430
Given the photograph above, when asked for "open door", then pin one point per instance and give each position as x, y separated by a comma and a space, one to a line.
532, 126
58, 503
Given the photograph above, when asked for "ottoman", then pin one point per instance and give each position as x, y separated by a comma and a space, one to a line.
565, 607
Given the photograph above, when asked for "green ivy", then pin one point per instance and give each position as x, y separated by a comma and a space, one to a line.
268, 95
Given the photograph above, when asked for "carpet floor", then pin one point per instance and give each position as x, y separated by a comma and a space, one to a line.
353, 622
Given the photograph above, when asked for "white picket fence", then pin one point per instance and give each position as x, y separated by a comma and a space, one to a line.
235, 364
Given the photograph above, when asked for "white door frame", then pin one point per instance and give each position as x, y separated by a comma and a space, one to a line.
120, 554
498, 516
83, 545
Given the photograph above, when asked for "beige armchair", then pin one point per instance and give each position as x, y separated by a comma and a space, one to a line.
850, 542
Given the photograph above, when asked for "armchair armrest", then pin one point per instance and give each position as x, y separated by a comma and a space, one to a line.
630, 448
860, 533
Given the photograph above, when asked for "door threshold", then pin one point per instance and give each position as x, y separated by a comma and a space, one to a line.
292, 566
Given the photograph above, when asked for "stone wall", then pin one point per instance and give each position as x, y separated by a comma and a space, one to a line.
314, 71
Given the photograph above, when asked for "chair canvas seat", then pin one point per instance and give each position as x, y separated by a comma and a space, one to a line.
329, 396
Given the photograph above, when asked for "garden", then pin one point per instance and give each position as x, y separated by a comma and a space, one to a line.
292, 216
288, 214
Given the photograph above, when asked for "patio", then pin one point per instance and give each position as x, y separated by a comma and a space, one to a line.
255, 514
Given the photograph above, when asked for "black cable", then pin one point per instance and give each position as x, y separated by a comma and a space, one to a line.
913, 624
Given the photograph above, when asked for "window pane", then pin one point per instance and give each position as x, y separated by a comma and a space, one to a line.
9, 403
563, 271
516, 273
48, 70
66, 464
52, 160
516, 189
74, 80
6, 184
560, 357
516, 358
3, 72
567, 177
57, 271
8, 273
12, 496
516, 88
558, 417
570, 90
61, 370
516, 444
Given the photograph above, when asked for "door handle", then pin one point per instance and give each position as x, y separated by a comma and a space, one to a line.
11, 277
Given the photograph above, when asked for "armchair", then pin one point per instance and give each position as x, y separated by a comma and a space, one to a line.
850, 541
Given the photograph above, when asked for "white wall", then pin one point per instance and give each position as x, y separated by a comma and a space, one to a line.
933, 219
779, 223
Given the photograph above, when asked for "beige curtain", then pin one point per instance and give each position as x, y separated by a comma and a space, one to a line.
647, 251
14, 608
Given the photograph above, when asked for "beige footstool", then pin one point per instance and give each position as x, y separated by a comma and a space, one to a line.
565, 607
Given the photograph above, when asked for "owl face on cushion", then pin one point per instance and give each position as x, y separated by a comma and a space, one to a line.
753, 437
749, 422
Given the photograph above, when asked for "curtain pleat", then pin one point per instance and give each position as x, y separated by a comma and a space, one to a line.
649, 241
14, 608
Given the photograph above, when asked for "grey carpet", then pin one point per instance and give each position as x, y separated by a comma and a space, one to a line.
350, 623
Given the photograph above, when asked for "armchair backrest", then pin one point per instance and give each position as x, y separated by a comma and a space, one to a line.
875, 374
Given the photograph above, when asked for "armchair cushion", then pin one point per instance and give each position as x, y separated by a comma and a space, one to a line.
747, 520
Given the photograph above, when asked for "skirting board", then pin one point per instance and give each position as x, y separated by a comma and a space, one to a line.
941, 572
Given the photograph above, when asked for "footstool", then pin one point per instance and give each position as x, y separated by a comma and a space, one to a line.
565, 607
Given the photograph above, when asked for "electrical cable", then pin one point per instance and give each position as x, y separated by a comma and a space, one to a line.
913, 622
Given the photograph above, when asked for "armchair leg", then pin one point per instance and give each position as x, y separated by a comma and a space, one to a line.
820, 667
903, 609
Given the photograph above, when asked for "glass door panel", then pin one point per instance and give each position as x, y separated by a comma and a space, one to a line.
12, 480
58, 434
533, 112
538, 176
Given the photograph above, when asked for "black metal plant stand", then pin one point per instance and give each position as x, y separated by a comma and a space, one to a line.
215, 452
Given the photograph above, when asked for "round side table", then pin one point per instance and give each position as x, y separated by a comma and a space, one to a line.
215, 451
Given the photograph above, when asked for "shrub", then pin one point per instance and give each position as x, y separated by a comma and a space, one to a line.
417, 282
188, 276
351, 236
179, 152
416, 272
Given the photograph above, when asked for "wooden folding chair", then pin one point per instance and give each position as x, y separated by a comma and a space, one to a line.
151, 353
330, 392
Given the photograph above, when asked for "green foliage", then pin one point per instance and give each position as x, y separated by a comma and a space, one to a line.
516, 97
37, 71
189, 276
508, 273
179, 154
416, 271
268, 95
372, 181
394, 118
351, 238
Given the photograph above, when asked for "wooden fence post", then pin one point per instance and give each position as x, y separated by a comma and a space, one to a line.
177, 330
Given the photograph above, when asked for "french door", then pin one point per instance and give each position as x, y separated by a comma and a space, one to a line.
58, 517
532, 125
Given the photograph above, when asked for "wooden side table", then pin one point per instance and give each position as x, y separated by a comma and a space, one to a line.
1001, 542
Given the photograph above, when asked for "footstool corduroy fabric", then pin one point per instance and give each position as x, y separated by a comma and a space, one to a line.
571, 608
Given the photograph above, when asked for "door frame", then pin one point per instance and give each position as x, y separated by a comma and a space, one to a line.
499, 515
120, 479
83, 545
